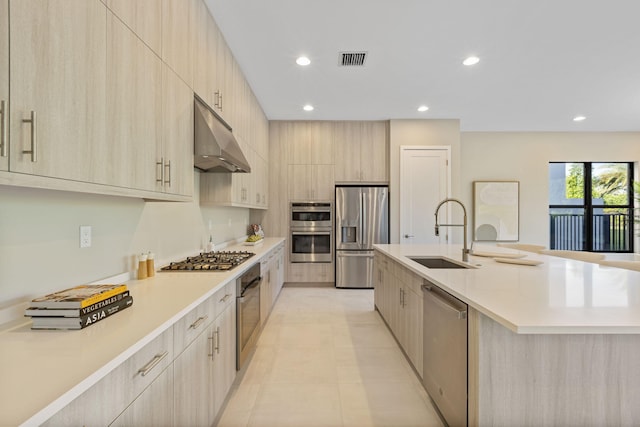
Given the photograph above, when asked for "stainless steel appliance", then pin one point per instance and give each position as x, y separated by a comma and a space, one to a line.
215, 147
445, 353
210, 261
311, 227
247, 313
310, 214
362, 219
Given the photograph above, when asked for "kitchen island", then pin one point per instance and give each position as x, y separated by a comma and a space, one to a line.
551, 344
41, 372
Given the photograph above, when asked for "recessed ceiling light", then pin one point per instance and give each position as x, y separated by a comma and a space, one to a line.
423, 108
308, 107
303, 60
472, 60
579, 118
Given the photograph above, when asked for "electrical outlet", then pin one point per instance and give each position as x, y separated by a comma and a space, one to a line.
85, 236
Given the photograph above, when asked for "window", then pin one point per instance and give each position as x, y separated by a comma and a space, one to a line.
591, 206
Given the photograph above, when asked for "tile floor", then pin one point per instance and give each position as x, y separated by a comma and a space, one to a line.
325, 358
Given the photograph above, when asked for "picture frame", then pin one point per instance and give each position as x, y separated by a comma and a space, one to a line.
496, 211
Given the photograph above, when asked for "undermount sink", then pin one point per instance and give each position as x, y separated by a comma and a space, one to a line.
438, 262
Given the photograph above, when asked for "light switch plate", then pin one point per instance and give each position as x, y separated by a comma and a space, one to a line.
85, 236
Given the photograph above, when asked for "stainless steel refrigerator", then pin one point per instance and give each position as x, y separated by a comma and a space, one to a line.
362, 219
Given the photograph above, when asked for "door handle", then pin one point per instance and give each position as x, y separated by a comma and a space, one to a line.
407, 236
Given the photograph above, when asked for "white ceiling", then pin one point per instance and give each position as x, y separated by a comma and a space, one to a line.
542, 61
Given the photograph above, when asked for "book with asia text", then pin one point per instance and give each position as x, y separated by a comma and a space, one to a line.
74, 312
79, 296
58, 322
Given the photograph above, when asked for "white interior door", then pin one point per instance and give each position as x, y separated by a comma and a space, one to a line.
424, 182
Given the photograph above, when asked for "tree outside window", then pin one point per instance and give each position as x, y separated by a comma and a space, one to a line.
591, 206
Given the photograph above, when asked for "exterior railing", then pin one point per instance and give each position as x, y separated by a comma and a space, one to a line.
610, 232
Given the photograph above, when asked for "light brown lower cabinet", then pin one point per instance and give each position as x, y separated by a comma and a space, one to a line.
192, 382
154, 407
169, 382
105, 401
398, 298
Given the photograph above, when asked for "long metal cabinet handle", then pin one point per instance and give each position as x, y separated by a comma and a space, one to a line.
3, 129
217, 345
161, 164
167, 165
211, 345
198, 322
462, 314
34, 137
152, 364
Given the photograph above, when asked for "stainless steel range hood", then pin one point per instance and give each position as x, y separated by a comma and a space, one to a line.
215, 147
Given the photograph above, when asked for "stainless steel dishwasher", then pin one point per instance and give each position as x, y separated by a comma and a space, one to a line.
445, 353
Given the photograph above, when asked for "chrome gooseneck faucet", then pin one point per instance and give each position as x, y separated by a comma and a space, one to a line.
465, 251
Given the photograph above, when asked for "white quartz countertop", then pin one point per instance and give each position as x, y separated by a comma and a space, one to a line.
43, 371
559, 296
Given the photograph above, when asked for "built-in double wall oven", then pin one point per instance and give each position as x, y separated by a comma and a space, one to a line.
311, 225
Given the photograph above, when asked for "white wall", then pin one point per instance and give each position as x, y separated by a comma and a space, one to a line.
525, 157
419, 132
39, 236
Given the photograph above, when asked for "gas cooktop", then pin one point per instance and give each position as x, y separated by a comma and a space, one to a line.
210, 261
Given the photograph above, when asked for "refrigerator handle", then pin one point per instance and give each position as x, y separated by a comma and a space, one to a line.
363, 212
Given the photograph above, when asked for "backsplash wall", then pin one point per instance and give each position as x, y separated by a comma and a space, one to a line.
39, 236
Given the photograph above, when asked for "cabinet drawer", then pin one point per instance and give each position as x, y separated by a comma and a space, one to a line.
104, 401
224, 297
142, 368
187, 329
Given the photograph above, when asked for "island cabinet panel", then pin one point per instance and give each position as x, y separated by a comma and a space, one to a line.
551, 379
398, 297
4, 84
57, 74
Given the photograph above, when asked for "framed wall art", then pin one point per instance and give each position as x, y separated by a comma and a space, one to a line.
496, 211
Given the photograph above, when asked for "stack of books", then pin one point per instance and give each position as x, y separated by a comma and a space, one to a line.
78, 307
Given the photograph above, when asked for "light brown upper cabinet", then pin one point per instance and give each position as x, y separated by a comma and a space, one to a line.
205, 48
175, 153
307, 142
57, 68
361, 152
177, 37
224, 96
134, 92
143, 17
4, 85
311, 182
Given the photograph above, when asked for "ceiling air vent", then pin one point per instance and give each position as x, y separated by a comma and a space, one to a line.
352, 59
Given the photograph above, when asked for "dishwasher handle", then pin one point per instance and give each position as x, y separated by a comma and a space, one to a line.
461, 313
